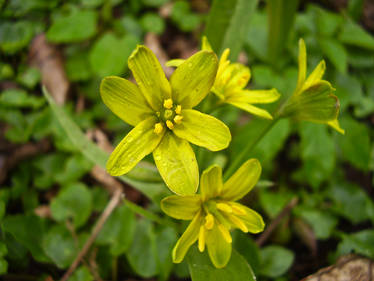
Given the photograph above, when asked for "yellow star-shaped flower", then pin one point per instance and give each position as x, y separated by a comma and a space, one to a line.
214, 212
230, 83
162, 115
313, 99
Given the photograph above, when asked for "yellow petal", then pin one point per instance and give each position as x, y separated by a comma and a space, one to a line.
192, 80
242, 182
124, 99
203, 130
174, 62
302, 65
211, 182
255, 96
240, 75
252, 109
315, 76
219, 249
138, 143
187, 239
252, 220
181, 207
177, 164
205, 44
335, 125
150, 77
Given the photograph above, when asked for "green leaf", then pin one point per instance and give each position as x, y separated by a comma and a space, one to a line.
258, 29
351, 202
109, 54
275, 261
360, 242
202, 269
19, 98
46, 167
3, 266
142, 254
228, 24
353, 34
154, 3
269, 146
77, 26
73, 202
77, 67
143, 172
29, 77
2, 210
281, 16
15, 35
118, 231
355, 152
335, 52
327, 23
28, 230
60, 246
18, 8
318, 154
152, 22
322, 222
247, 247
81, 274
166, 237
3, 249
74, 168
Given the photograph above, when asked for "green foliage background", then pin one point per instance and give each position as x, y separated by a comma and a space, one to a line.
330, 174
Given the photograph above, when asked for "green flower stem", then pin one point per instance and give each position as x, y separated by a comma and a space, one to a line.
149, 215
244, 155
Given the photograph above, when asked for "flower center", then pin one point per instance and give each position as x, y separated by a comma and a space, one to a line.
169, 116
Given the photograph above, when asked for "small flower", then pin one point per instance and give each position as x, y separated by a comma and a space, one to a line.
313, 99
214, 212
230, 83
162, 115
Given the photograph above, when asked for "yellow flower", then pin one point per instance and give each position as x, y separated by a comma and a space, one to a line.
230, 83
214, 212
313, 99
162, 115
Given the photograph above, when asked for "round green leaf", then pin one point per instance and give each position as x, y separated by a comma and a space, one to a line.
73, 202
275, 261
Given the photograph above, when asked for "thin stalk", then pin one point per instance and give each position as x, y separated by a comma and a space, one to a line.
149, 215
245, 153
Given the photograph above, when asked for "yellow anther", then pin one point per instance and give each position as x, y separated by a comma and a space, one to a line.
158, 128
225, 233
224, 207
201, 243
168, 103
178, 119
209, 221
170, 124
178, 109
237, 210
238, 223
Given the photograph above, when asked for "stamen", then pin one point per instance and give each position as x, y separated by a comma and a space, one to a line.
178, 109
169, 124
178, 119
158, 128
224, 207
209, 221
237, 210
201, 239
168, 103
238, 223
225, 233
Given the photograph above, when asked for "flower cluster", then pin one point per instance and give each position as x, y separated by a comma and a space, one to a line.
165, 124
